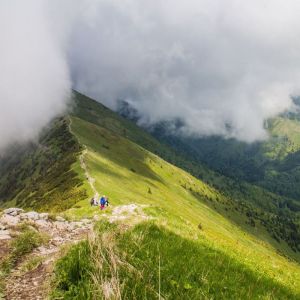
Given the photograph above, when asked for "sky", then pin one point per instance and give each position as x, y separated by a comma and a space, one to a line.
221, 66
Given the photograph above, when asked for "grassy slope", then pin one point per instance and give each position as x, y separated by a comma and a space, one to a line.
125, 172
258, 205
148, 259
286, 138
45, 175
272, 164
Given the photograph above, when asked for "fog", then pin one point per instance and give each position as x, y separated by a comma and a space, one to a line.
221, 66
34, 75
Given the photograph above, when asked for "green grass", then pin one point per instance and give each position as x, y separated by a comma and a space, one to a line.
224, 254
31, 264
148, 260
21, 245
124, 171
46, 176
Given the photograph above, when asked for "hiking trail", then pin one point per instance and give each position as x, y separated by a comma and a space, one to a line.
89, 178
29, 284
35, 283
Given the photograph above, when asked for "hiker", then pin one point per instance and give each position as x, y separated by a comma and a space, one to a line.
92, 202
102, 202
106, 202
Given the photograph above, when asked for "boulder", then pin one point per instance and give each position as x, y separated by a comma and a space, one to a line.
4, 235
60, 225
77, 224
60, 219
43, 223
44, 216
32, 215
13, 211
9, 220
86, 221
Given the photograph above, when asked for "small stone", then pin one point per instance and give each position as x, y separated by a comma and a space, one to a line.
60, 225
13, 211
44, 216
77, 224
60, 219
32, 215
4, 235
86, 221
96, 218
43, 223
9, 220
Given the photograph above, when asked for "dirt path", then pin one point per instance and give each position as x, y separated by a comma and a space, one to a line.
90, 179
33, 283
83, 165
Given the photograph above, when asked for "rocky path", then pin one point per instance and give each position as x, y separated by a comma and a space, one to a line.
34, 284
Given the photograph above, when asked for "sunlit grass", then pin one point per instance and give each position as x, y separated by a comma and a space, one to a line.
126, 172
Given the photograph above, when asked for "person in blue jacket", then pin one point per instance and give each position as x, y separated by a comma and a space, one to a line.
102, 202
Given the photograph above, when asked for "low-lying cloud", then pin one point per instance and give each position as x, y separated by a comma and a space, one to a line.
221, 66
34, 76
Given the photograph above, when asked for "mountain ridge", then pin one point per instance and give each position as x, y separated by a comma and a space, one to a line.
118, 156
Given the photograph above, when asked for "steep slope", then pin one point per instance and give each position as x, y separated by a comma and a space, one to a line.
186, 211
257, 206
272, 164
45, 175
218, 235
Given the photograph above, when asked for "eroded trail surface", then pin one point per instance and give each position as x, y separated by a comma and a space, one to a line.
25, 283
34, 284
89, 178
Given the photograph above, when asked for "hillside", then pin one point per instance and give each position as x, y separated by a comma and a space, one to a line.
272, 164
251, 204
196, 239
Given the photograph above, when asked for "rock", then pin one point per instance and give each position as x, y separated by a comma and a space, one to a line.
2, 227
60, 225
44, 216
13, 211
32, 215
129, 209
60, 219
4, 235
71, 226
57, 240
86, 221
113, 219
9, 220
96, 218
43, 223
77, 224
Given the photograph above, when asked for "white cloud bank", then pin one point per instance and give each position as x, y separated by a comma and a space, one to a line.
216, 64
34, 75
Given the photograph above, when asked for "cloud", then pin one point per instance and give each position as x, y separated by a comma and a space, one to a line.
222, 66
34, 75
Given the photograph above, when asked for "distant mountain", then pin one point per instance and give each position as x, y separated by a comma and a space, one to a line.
273, 164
